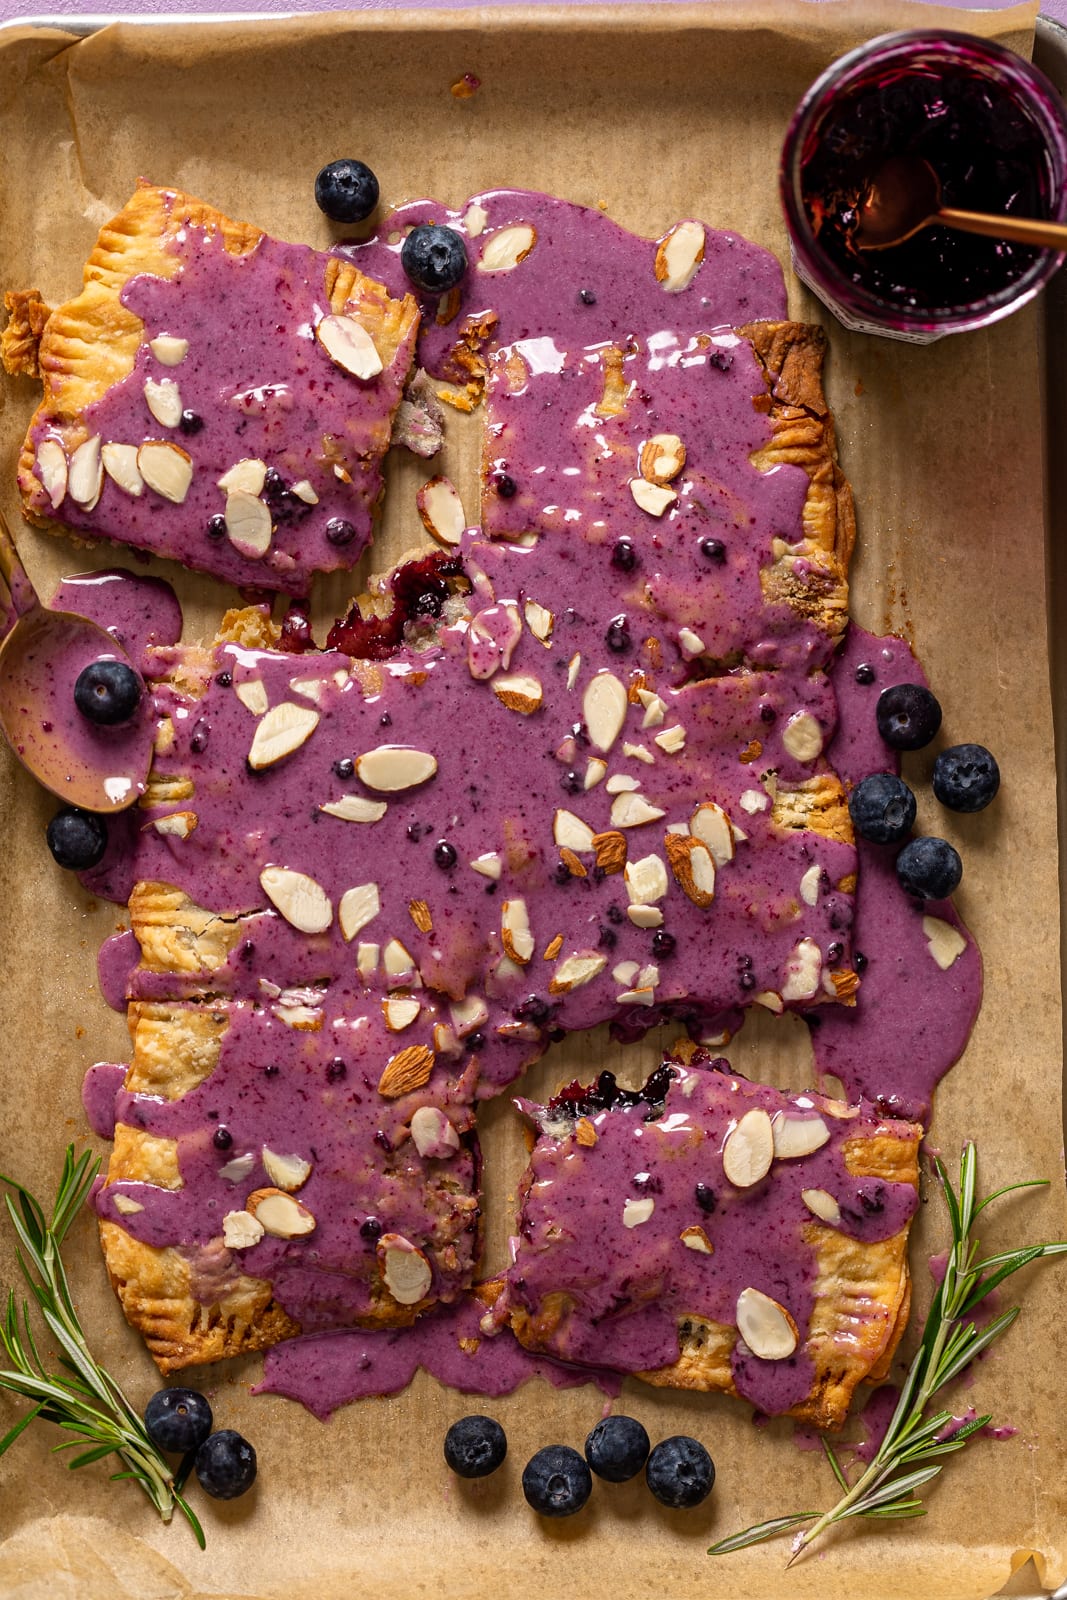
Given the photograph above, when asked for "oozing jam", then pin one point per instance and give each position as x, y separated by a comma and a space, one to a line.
578, 767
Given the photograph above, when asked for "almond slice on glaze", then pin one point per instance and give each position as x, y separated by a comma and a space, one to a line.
610, 850
570, 832
797, 1136
678, 255
166, 468
120, 464
400, 1011
441, 510
604, 707
803, 737
655, 498
279, 732
821, 1204
349, 346
631, 810
52, 470
392, 767
409, 1069
809, 885
356, 808
519, 692
574, 971
358, 907
168, 350
710, 824
695, 1238
539, 620
635, 1212
406, 1272
285, 1172
693, 866
646, 880
249, 527
468, 1014
177, 825
85, 478
421, 915
945, 943
645, 916
302, 902
433, 1135
515, 934
505, 248
279, 1214
164, 400
240, 1229
765, 1326
248, 474
488, 865
749, 1149
803, 971
662, 458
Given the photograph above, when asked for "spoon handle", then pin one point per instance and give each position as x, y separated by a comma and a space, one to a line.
1024, 231
17, 594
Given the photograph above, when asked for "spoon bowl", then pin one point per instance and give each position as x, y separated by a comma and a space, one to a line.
904, 196
97, 768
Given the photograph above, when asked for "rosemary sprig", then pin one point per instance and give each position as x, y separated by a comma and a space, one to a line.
913, 1440
83, 1399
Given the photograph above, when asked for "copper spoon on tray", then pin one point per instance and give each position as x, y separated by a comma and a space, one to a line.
904, 196
87, 765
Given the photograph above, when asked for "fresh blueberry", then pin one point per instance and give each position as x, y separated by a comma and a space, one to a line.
77, 839
346, 190
908, 716
624, 556
617, 637
930, 869
226, 1465
190, 422
339, 531
434, 258
663, 943
617, 1448
505, 485
706, 1199
177, 1419
966, 777
587, 297
215, 527
882, 808
864, 673
713, 550
370, 1228
107, 692
222, 1139
680, 1472
344, 767
556, 1481
444, 855
475, 1446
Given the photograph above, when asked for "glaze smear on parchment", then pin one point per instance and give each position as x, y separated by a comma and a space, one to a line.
780, 924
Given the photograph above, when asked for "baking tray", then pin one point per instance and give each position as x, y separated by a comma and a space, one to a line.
365, 1504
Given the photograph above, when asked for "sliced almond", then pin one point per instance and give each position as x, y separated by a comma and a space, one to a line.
474, 220
604, 707
280, 1215
655, 708
406, 1272
515, 934
645, 916
237, 1170
505, 248
754, 801
302, 902
397, 960
637, 997
305, 491
489, 865
301, 1018
349, 346
169, 351
803, 971
120, 464
625, 972
570, 831
622, 783
166, 468
178, 825
433, 1135
710, 824
574, 971
241, 1230
809, 885
770, 1000
749, 1149
125, 1205
248, 524
594, 772
367, 958
641, 752
797, 1136
409, 1069
286, 1172
662, 458
690, 644
554, 946
356, 808
468, 1014
633, 811
821, 1204
519, 692
392, 767
693, 866
945, 943
358, 907
573, 668
610, 850
765, 1326
441, 510
52, 470
672, 739
539, 620
646, 880
419, 912
279, 732
803, 737
164, 400
694, 1238
585, 1133
249, 474
400, 1011
678, 255
655, 498
86, 476
635, 1212
253, 696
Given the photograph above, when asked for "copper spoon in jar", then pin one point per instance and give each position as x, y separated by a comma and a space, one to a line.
97, 768
904, 196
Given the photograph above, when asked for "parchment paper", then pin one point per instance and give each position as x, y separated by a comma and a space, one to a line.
658, 114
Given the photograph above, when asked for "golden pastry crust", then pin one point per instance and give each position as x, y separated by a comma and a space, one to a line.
175, 934
19, 342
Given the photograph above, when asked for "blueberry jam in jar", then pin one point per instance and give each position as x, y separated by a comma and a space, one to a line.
993, 129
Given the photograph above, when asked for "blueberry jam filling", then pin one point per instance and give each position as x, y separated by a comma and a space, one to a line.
419, 589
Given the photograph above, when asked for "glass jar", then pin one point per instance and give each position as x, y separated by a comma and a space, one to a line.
994, 129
